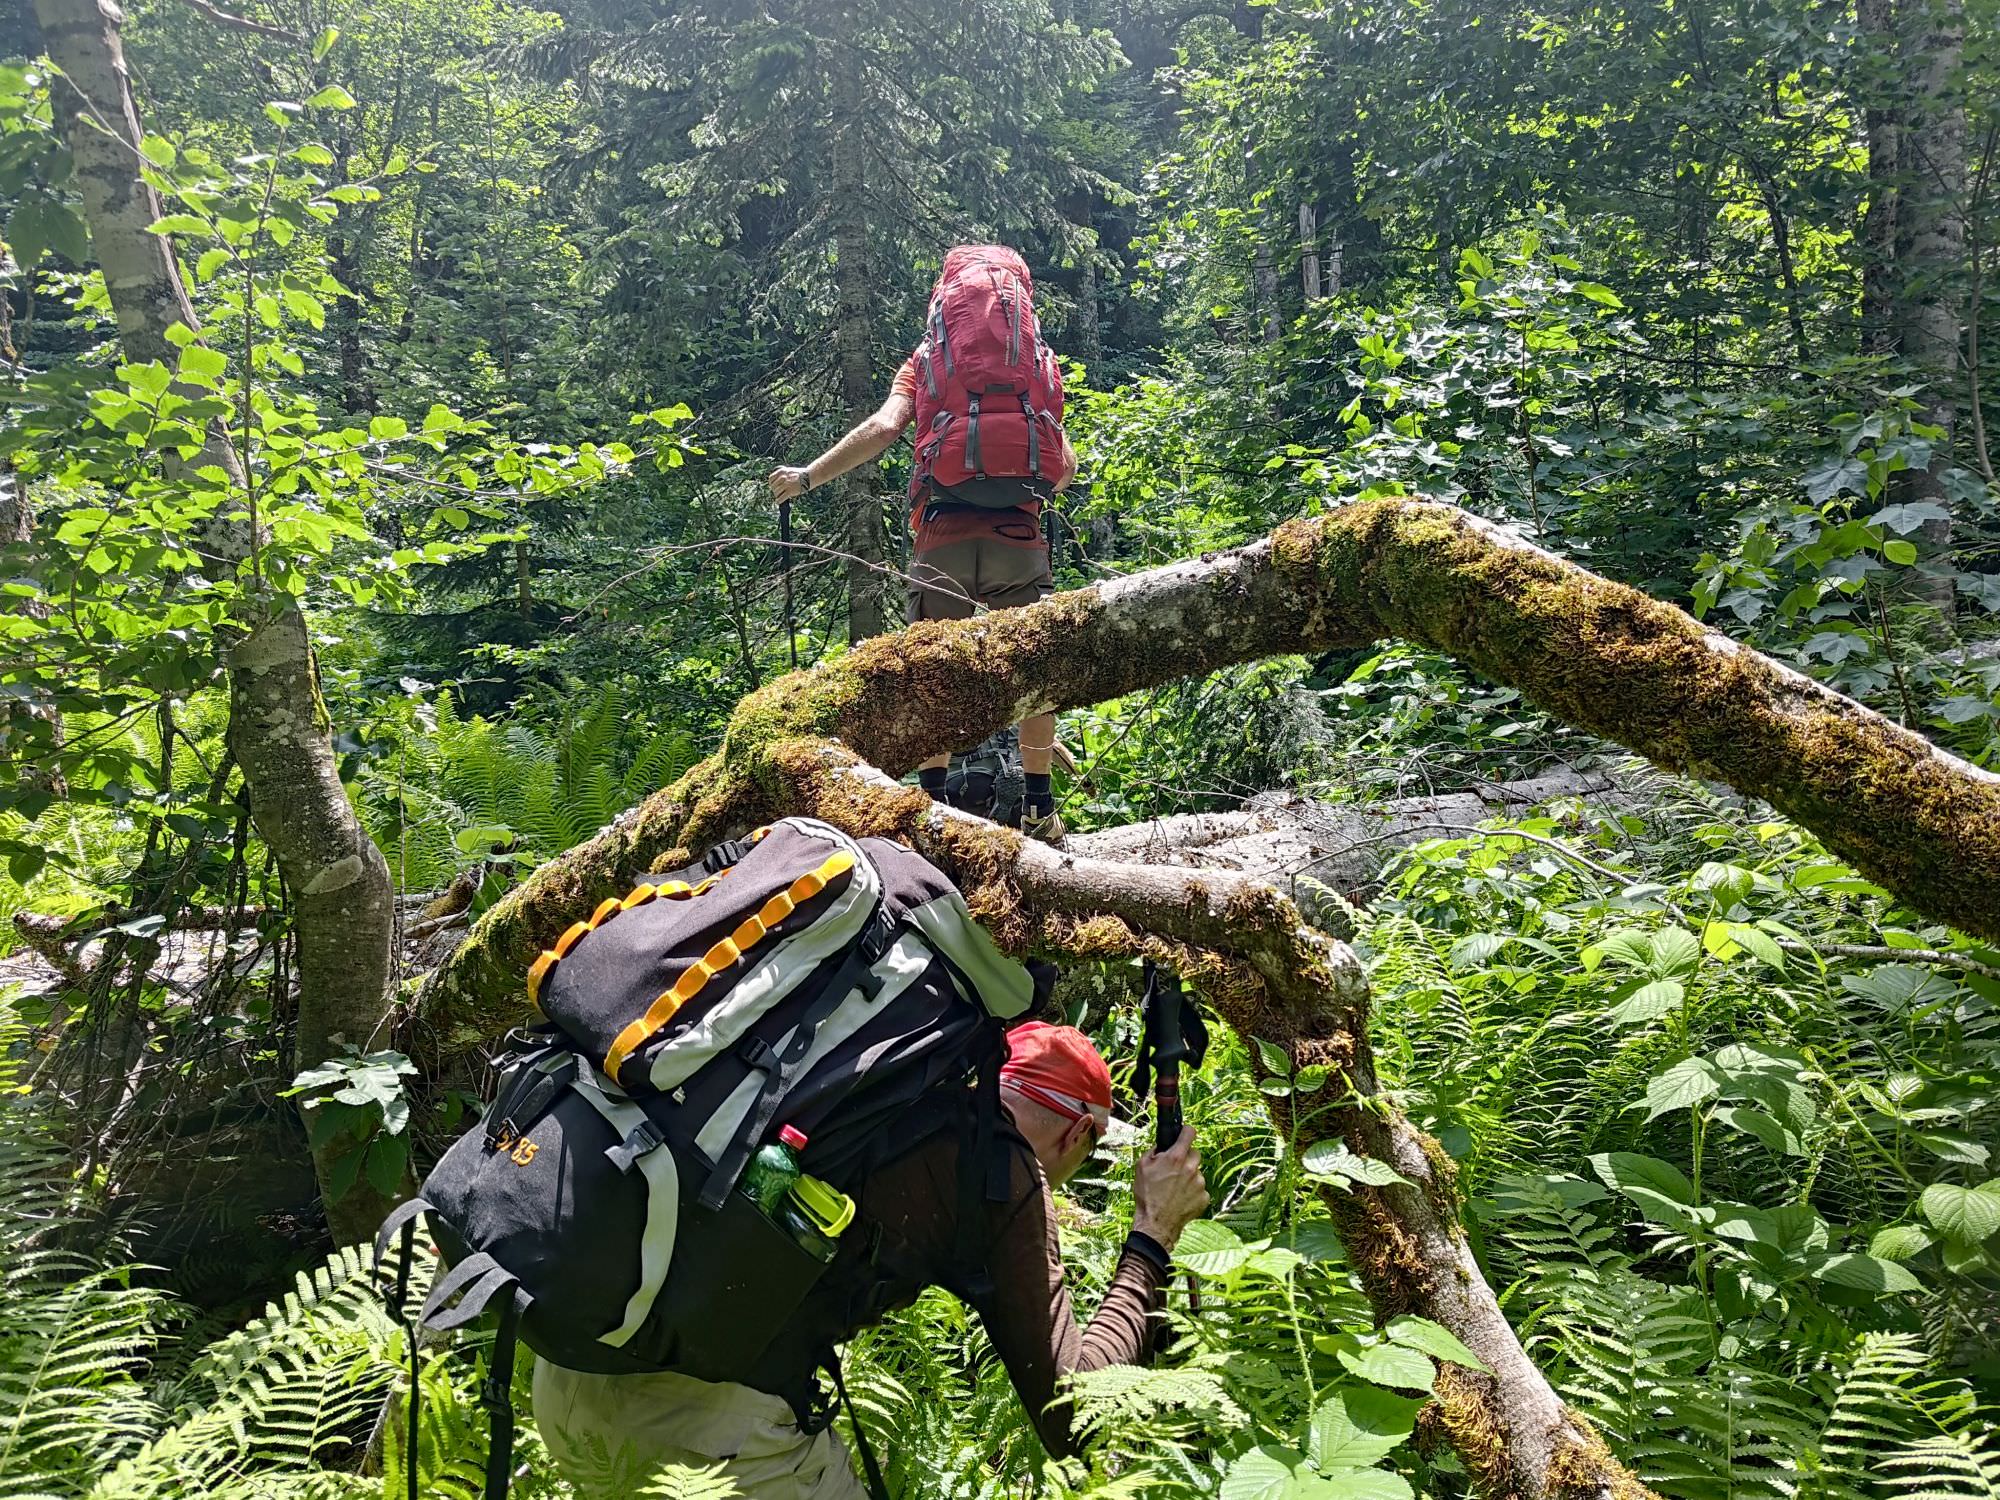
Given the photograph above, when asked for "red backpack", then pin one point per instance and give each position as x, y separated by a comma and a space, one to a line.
989, 395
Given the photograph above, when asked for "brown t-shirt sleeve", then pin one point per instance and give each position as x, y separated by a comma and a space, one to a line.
1028, 1315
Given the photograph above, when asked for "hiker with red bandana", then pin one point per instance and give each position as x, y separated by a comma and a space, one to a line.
986, 395
608, 1432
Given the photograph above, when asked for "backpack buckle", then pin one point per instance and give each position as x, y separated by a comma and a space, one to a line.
757, 1053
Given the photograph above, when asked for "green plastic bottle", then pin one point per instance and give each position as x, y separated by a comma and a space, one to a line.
773, 1170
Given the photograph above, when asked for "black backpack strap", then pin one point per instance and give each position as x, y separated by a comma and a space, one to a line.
782, 1069
529, 1089
983, 1172
404, 1218
496, 1394
474, 1281
725, 854
878, 1488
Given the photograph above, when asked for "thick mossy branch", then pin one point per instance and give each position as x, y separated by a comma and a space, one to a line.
1594, 653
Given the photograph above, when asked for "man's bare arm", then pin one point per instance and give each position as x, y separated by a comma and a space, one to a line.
867, 439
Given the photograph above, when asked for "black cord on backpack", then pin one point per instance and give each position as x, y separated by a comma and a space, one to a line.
497, 1396
878, 1488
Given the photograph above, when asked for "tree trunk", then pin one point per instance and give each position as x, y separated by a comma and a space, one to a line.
1595, 653
1877, 20
31, 732
1931, 249
854, 345
1309, 251
278, 732
1915, 232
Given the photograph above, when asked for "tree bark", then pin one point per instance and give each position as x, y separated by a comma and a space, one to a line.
1595, 653
31, 731
1309, 251
343, 903
1915, 230
1931, 250
854, 344
1308, 848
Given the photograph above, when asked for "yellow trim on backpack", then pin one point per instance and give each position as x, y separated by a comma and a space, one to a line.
750, 932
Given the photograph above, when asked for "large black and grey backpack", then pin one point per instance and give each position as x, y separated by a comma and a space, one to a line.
797, 977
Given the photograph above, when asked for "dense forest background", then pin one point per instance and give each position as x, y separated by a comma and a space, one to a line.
466, 337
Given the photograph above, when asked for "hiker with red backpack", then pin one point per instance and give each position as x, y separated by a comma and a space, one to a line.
987, 399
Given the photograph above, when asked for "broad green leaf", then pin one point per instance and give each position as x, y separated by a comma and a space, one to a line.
1648, 1002
1211, 1249
1969, 1215
182, 224
158, 150
1433, 1339
1901, 552
1390, 1365
1268, 1472
333, 96
203, 366
1760, 1126
1662, 1193
1360, 1426
1276, 1060
387, 429
1333, 1159
1867, 1273
1475, 949
387, 1155
1363, 1484
1313, 1240
1950, 1145
1687, 1083
211, 262
1900, 1242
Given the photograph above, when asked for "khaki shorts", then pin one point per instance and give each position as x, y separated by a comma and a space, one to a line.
609, 1434
1003, 570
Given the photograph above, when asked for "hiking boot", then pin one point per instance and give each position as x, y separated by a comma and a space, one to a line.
1048, 827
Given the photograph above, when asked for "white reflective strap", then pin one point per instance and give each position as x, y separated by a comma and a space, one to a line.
663, 1204
777, 973
902, 966
1003, 986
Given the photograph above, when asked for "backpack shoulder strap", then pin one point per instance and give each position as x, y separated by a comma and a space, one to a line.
782, 1069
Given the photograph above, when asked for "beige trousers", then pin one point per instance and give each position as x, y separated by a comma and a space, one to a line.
611, 1433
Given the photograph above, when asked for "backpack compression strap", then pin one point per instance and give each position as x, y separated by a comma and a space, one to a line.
782, 1069
751, 931
476, 1281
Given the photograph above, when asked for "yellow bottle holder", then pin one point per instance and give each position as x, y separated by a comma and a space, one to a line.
827, 1206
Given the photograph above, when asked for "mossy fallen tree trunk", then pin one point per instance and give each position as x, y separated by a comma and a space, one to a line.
1597, 654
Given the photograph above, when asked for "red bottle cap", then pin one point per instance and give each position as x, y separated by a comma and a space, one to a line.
792, 1136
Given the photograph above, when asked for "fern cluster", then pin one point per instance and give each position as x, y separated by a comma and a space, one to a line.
453, 788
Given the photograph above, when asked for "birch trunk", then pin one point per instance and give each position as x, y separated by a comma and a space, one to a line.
343, 904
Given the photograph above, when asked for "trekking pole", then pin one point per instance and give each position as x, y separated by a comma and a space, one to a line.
1174, 1034
785, 539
